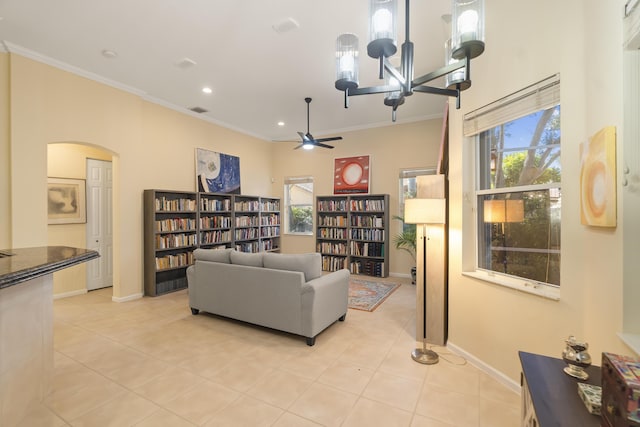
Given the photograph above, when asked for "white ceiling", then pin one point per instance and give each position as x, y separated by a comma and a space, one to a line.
258, 76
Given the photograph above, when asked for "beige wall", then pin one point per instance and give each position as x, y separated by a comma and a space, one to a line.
153, 147
391, 148
582, 41
5, 157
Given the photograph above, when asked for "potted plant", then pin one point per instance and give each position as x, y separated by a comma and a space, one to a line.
406, 240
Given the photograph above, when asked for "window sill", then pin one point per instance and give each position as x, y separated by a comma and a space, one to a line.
631, 340
298, 234
519, 285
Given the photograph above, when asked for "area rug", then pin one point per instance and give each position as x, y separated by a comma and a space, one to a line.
367, 295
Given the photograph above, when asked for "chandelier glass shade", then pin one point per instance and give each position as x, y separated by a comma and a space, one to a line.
467, 42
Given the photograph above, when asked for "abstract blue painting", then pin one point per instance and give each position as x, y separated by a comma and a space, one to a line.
217, 172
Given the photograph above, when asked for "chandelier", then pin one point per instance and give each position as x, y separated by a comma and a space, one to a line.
466, 43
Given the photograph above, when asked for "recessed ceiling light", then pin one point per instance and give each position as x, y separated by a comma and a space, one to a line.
108, 53
207, 90
280, 123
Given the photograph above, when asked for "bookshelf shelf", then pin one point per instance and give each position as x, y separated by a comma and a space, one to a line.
352, 232
178, 222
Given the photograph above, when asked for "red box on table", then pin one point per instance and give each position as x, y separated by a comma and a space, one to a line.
620, 391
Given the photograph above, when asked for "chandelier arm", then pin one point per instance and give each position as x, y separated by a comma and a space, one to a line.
394, 72
372, 89
443, 71
436, 90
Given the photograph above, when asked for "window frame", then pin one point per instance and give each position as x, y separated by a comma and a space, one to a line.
540, 96
289, 181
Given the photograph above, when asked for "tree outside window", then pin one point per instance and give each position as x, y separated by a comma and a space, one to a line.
298, 194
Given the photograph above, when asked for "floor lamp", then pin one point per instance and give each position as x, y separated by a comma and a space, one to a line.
424, 212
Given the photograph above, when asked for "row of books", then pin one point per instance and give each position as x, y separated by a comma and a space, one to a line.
176, 224
248, 247
332, 221
368, 267
367, 221
271, 219
368, 234
215, 205
332, 263
273, 231
175, 241
174, 261
218, 236
247, 221
165, 286
332, 205
332, 233
331, 248
367, 205
215, 222
270, 205
246, 233
366, 249
268, 245
174, 205
246, 205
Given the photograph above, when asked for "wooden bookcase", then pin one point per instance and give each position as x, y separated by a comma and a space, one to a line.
215, 222
177, 222
353, 232
170, 236
269, 224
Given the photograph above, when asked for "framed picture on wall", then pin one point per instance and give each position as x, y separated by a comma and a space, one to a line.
217, 172
351, 175
66, 201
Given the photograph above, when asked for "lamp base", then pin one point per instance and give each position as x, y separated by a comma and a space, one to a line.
424, 356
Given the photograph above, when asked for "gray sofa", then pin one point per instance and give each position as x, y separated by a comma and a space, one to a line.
287, 292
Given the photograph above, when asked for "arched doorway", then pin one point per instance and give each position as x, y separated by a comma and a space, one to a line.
70, 160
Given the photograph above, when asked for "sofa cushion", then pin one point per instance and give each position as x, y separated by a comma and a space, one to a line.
243, 258
214, 255
310, 264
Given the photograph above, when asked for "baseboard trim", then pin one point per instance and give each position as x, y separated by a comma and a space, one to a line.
69, 294
487, 369
127, 298
403, 275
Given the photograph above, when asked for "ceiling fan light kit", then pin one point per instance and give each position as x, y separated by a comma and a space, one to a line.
466, 43
308, 141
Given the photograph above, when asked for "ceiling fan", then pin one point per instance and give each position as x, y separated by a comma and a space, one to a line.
308, 141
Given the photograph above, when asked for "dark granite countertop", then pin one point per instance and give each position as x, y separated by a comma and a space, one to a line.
20, 265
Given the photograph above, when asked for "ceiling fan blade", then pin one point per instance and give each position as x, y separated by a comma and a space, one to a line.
319, 144
305, 137
333, 138
299, 146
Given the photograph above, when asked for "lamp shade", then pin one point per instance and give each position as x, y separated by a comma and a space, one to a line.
382, 28
467, 28
347, 61
424, 211
503, 211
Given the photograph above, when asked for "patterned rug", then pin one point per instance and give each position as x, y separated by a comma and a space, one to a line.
368, 295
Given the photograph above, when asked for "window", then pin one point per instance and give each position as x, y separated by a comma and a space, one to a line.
518, 186
298, 198
408, 185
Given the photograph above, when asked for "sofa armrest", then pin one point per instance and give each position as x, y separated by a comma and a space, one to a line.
326, 298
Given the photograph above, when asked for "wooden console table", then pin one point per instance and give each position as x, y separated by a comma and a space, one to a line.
550, 397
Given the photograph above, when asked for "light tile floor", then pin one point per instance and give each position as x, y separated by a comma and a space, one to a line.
151, 363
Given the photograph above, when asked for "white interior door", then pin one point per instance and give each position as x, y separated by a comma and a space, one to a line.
99, 223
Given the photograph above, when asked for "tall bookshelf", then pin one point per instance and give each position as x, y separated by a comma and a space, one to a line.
171, 235
269, 224
246, 214
215, 221
353, 232
177, 222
